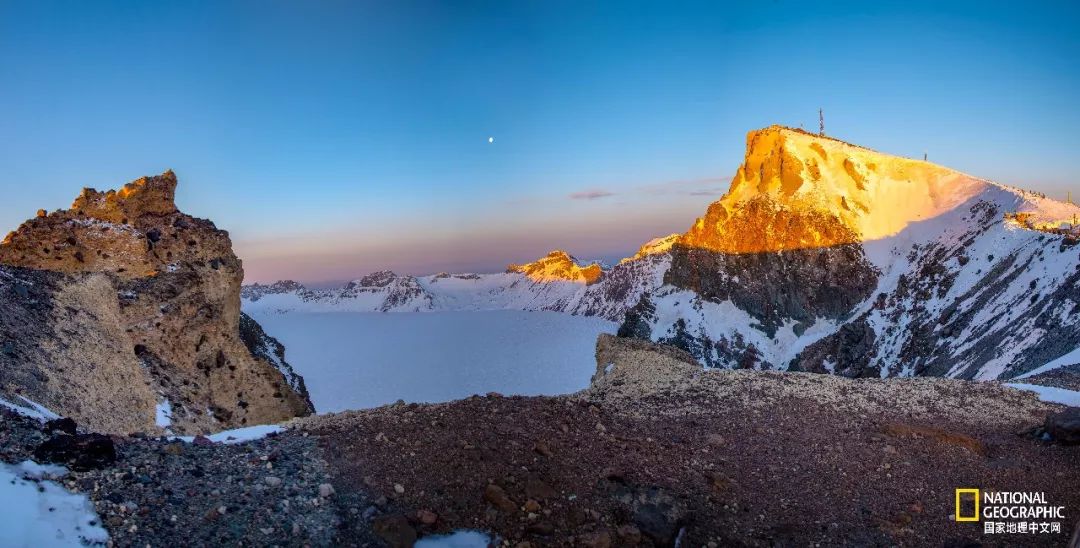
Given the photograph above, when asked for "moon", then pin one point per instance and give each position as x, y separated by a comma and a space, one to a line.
491, 139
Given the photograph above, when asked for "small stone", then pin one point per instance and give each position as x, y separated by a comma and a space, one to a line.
543, 528
222, 510
41, 213
628, 535
541, 448
266, 530
498, 498
202, 441
399, 488
427, 517
326, 490
272, 481
370, 512
532, 506
600, 539
65, 425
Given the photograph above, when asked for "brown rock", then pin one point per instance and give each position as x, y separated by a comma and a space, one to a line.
395, 531
532, 506
542, 528
157, 295
498, 498
1064, 427
628, 535
535, 488
541, 448
717, 481
427, 517
600, 539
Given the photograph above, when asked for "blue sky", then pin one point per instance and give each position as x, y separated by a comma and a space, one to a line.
335, 138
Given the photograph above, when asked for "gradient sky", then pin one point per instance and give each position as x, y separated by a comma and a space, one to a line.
336, 138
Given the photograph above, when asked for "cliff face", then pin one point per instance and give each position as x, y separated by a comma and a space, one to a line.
128, 298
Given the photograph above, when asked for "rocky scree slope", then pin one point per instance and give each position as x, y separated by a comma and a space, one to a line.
124, 313
658, 449
829, 257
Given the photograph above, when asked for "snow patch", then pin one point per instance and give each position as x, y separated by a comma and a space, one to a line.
1050, 393
1068, 359
238, 435
43, 514
163, 414
457, 539
34, 411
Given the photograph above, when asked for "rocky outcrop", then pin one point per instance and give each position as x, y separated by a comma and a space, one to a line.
122, 312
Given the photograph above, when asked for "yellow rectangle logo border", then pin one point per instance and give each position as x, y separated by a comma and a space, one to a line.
960, 491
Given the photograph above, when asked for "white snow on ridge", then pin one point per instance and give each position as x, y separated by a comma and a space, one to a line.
238, 435
1050, 393
34, 411
1068, 359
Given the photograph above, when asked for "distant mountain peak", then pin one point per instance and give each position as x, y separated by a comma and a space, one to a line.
559, 265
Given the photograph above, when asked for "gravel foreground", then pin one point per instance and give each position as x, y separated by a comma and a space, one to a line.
656, 452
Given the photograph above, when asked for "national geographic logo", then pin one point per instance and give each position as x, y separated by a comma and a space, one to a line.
1008, 512
963, 496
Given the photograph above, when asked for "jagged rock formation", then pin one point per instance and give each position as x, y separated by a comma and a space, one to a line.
829, 257
122, 311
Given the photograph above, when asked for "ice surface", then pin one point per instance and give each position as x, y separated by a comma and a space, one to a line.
355, 360
43, 514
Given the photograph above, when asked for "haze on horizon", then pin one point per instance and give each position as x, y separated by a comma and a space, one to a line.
333, 139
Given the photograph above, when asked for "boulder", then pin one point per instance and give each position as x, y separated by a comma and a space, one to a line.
1064, 427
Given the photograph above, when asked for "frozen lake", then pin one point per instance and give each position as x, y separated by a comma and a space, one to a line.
354, 360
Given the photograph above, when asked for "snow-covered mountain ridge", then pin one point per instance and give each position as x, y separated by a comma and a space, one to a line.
555, 282
829, 257
823, 256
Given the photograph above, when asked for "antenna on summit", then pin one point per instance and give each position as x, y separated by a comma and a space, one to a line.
821, 122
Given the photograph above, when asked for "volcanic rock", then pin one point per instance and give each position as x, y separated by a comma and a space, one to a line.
121, 304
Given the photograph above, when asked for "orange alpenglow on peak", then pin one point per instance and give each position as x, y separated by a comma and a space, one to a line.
153, 195
797, 190
559, 266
